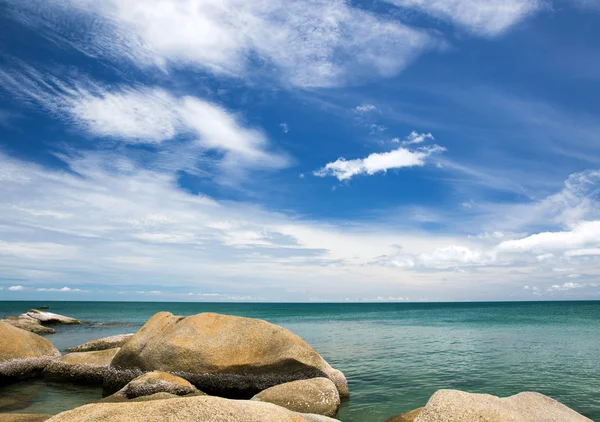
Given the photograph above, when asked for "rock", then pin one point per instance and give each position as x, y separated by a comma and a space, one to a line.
458, 406
22, 354
101, 344
23, 417
83, 367
157, 396
156, 382
220, 354
25, 322
406, 417
50, 318
316, 395
202, 408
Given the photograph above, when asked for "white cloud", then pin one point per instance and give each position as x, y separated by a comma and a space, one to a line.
148, 115
16, 288
414, 138
583, 234
482, 17
62, 289
566, 286
401, 157
284, 127
364, 108
455, 254
309, 43
583, 252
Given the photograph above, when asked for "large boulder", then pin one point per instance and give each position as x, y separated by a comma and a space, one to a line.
316, 395
25, 322
105, 343
200, 408
22, 354
407, 416
156, 382
83, 367
458, 406
220, 354
50, 318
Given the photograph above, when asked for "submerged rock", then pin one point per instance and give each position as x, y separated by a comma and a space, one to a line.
316, 395
51, 318
156, 382
23, 417
202, 408
458, 406
83, 367
220, 354
406, 417
25, 322
22, 354
101, 344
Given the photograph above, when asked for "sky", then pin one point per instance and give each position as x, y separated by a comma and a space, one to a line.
313, 150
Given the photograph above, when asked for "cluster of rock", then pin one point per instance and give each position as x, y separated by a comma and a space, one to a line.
268, 369
214, 367
36, 321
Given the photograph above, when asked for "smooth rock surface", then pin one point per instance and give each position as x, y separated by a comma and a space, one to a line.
22, 354
458, 406
83, 367
406, 417
202, 408
316, 395
51, 318
220, 354
105, 343
23, 417
156, 382
27, 323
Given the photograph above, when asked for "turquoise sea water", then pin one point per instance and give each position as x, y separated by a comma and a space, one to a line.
394, 355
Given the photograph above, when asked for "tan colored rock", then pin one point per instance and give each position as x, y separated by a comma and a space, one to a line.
406, 417
458, 406
202, 408
156, 382
27, 323
22, 354
220, 354
51, 318
105, 343
316, 395
83, 367
23, 417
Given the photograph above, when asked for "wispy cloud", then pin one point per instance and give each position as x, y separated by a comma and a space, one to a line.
145, 115
364, 108
310, 44
376, 162
481, 17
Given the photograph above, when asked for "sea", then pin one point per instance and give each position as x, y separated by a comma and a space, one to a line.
395, 355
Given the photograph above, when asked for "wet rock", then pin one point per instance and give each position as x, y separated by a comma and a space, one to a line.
101, 344
51, 318
83, 367
201, 408
220, 354
316, 395
22, 354
406, 417
458, 406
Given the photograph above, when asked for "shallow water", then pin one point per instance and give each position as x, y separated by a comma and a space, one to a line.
394, 355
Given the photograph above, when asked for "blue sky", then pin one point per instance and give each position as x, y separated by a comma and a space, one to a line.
395, 150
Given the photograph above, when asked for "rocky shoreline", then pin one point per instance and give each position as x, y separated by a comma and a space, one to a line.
212, 367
